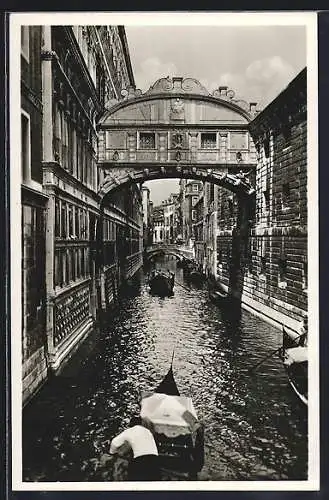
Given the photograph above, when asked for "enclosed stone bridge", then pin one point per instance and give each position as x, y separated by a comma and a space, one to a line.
177, 129
178, 251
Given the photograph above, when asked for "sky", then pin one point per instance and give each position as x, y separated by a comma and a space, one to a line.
257, 62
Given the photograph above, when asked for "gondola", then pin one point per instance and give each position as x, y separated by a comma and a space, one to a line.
218, 296
162, 282
196, 277
295, 361
177, 430
180, 263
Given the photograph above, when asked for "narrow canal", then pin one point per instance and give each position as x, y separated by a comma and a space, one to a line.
255, 428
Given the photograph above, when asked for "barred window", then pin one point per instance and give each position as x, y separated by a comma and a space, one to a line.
208, 140
77, 222
147, 140
57, 219
70, 213
63, 220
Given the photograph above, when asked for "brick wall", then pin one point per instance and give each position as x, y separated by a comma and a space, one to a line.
272, 256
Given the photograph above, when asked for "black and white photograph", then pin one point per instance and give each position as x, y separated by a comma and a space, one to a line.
164, 244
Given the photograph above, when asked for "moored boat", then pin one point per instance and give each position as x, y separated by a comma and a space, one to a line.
295, 359
218, 296
195, 276
177, 430
162, 282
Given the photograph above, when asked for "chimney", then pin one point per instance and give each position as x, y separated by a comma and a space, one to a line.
222, 90
252, 107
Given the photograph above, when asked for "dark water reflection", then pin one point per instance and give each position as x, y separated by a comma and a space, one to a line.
255, 428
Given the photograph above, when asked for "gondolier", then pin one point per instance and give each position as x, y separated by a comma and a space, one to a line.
144, 466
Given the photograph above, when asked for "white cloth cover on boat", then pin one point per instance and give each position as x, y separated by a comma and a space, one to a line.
172, 416
295, 355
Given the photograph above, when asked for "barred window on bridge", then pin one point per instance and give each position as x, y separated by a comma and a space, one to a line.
208, 140
146, 140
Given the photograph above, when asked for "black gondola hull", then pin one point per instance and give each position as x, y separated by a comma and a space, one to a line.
161, 283
297, 372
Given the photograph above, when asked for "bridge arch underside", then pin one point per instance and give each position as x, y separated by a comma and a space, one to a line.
155, 253
177, 251
235, 178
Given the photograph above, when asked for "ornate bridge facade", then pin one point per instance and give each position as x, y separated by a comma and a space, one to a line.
177, 129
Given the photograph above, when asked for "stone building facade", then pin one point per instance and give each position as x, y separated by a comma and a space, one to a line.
264, 263
276, 257
69, 75
33, 207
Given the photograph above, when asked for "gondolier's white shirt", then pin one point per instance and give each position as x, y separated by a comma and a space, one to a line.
140, 440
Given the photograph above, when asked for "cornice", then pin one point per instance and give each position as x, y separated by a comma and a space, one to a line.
32, 196
165, 127
70, 179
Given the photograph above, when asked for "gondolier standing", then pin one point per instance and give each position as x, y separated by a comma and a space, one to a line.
145, 463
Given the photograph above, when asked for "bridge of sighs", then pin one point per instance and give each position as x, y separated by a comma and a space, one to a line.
177, 129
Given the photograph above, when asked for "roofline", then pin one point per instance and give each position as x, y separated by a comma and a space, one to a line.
274, 103
123, 37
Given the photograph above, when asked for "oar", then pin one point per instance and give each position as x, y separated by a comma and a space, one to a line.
272, 353
185, 288
172, 357
264, 359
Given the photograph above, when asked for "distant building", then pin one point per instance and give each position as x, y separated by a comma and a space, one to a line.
199, 228
170, 218
147, 217
189, 193
158, 224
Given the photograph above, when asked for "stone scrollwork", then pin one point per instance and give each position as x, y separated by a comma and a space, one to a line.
48, 55
193, 86
161, 85
230, 94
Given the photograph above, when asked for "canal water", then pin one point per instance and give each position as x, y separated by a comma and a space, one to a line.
255, 427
